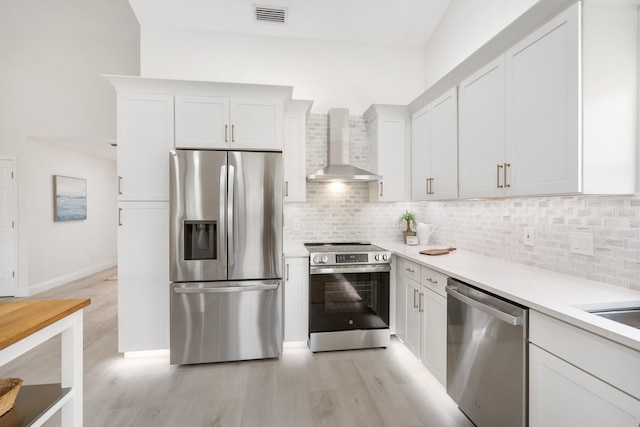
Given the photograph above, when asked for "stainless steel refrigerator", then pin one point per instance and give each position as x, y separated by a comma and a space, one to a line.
226, 256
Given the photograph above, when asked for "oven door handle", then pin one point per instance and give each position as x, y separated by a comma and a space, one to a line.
382, 268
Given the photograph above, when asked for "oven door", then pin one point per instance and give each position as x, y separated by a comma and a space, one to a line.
348, 298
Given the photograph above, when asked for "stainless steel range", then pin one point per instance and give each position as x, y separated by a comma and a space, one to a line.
348, 296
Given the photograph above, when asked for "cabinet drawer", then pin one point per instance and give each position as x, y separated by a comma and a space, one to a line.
587, 351
411, 270
433, 280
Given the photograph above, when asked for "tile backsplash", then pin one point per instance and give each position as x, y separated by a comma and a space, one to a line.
489, 227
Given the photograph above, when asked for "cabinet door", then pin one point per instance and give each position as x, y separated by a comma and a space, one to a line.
388, 149
421, 154
145, 136
562, 395
482, 132
543, 109
256, 124
202, 122
401, 303
444, 147
296, 299
143, 276
295, 166
412, 307
434, 334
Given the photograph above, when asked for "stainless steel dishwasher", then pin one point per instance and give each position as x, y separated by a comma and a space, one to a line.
486, 356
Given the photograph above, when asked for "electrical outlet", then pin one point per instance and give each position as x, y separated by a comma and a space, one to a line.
528, 236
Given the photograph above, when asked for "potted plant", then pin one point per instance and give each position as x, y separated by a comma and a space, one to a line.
408, 217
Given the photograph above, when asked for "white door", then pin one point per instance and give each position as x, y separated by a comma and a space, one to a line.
482, 132
256, 124
444, 147
8, 228
543, 109
420, 154
202, 122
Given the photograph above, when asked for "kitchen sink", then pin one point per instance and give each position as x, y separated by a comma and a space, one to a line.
627, 316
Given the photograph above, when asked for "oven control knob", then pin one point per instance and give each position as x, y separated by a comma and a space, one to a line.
385, 257
324, 259
316, 259
377, 257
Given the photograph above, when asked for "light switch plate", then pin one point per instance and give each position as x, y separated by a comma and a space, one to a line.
581, 243
528, 236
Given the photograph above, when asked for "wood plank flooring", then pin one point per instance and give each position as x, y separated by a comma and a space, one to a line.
376, 387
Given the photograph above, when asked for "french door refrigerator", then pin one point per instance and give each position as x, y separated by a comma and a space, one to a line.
226, 256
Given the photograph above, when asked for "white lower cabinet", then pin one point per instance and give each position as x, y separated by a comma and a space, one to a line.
425, 315
562, 395
296, 299
577, 378
143, 276
412, 307
433, 302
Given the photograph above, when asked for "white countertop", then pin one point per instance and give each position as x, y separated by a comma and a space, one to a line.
295, 249
555, 294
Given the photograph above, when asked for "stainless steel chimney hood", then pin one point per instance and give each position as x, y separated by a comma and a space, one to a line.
339, 168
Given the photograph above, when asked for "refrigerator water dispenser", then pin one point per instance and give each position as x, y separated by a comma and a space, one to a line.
200, 240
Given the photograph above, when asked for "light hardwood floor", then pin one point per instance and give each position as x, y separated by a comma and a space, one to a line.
376, 387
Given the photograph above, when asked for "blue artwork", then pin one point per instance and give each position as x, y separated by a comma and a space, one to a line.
70, 198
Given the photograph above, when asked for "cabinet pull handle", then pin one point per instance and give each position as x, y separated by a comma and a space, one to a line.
381, 189
226, 133
420, 309
431, 185
429, 279
498, 176
426, 181
286, 188
410, 270
506, 165
119, 217
414, 299
119, 185
287, 272
233, 133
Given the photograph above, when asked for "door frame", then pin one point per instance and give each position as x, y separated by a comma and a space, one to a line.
14, 213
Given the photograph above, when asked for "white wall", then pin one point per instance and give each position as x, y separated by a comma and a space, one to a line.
52, 97
465, 27
332, 74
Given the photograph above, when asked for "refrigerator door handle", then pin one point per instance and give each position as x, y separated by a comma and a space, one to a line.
225, 289
222, 240
230, 213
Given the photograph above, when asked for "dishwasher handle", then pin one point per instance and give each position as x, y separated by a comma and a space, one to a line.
500, 315
225, 289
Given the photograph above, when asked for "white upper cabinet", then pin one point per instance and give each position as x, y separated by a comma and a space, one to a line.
145, 136
482, 132
209, 122
434, 146
389, 141
543, 110
294, 151
556, 113
202, 122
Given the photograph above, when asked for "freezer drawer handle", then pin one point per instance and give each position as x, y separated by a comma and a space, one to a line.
225, 289
512, 320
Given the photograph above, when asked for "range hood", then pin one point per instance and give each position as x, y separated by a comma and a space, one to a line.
339, 168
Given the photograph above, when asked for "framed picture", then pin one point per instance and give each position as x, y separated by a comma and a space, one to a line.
70, 198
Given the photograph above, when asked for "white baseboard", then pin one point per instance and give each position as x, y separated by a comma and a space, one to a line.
62, 280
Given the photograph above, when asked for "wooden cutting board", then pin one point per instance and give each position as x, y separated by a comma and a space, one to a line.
437, 251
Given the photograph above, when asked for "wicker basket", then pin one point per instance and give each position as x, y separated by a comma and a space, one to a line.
9, 388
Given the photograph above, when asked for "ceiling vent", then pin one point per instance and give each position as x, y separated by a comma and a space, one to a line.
270, 14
